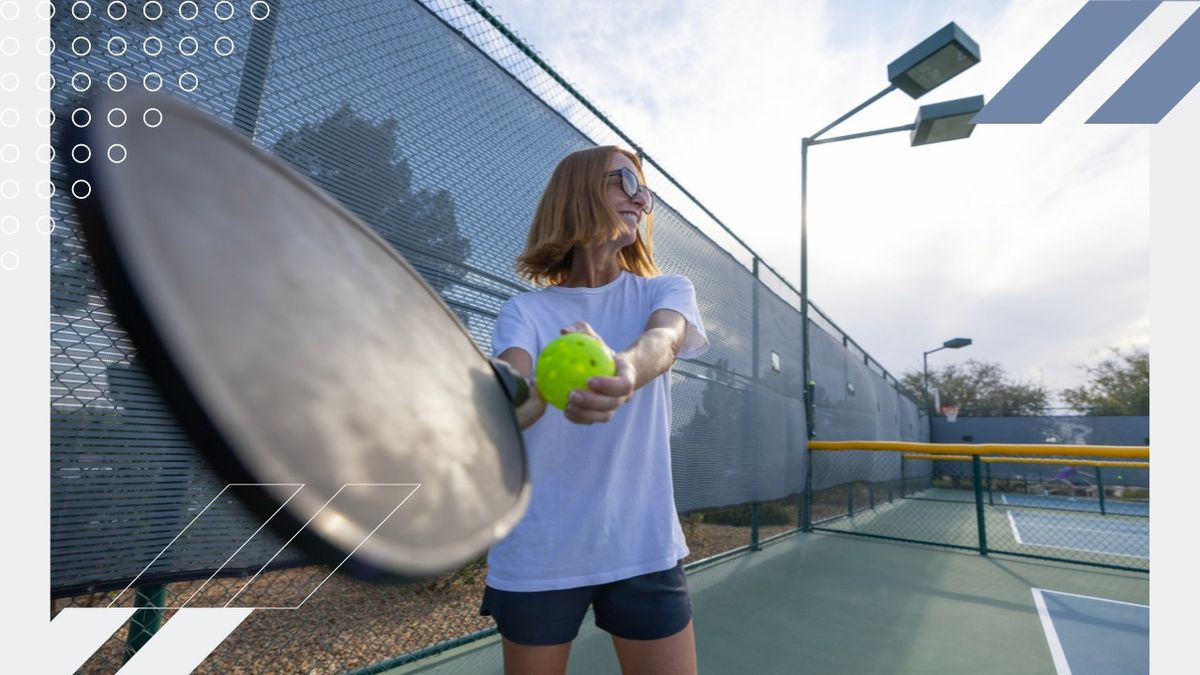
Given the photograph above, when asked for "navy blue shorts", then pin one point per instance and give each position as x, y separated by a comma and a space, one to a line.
646, 607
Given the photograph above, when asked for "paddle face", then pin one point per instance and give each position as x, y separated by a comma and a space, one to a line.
298, 348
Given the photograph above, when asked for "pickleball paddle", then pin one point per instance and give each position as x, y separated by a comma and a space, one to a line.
296, 346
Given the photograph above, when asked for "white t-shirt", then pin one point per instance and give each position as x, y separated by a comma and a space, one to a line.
602, 507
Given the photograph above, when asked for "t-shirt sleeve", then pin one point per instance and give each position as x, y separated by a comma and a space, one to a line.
513, 330
676, 292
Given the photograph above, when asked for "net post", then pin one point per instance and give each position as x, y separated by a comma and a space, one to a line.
978, 480
148, 618
1100, 489
754, 546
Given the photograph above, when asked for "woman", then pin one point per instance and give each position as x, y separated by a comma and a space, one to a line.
601, 529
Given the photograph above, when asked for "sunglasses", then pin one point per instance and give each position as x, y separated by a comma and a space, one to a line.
631, 187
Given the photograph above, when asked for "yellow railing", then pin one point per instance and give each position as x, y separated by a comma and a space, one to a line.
1045, 450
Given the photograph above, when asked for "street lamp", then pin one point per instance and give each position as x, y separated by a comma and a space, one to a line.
921, 69
956, 343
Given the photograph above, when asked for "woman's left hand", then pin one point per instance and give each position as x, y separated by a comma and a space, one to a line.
605, 394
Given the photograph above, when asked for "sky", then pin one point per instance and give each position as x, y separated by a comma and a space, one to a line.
1032, 240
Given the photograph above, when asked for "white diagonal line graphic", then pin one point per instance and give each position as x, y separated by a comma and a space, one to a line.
184, 641
246, 585
77, 632
244, 543
385, 519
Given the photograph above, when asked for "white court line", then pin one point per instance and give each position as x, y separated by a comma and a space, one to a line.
1092, 597
1056, 651
1013, 524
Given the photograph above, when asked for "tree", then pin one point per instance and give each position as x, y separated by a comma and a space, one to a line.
358, 162
1118, 385
982, 388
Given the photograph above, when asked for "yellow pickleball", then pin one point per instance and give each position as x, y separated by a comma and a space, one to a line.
567, 363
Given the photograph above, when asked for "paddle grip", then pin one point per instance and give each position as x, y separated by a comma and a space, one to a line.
515, 384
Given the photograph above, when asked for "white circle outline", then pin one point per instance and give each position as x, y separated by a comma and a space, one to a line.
124, 81
44, 183
195, 10
85, 4
48, 159
85, 111
146, 121
76, 159
146, 48
254, 16
46, 81
45, 224
87, 78
119, 40
10, 266
194, 77
146, 81
124, 10
10, 113
124, 153
43, 5
9, 46
191, 40
217, 10
86, 185
41, 46
43, 121
124, 118
156, 3
217, 49
4, 188
9, 153
86, 41
15, 8
6, 228
8, 78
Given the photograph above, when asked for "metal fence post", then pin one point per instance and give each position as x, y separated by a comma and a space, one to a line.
850, 499
1100, 489
977, 474
871, 495
146, 621
754, 527
991, 500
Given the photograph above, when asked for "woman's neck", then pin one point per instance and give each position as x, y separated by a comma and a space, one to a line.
592, 267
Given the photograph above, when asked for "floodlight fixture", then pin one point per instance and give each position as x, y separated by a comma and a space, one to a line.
945, 121
956, 343
934, 61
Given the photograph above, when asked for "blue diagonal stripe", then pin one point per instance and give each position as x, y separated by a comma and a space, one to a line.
1162, 81
1064, 62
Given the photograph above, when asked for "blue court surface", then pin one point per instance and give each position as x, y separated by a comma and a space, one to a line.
1089, 635
1082, 532
1077, 504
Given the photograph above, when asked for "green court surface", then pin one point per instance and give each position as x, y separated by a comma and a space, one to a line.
822, 603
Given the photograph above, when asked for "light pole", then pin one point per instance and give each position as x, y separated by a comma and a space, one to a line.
935, 60
956, 343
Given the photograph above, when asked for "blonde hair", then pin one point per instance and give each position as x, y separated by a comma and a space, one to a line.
574, 212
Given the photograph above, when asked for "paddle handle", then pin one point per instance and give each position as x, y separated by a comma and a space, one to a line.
515, 384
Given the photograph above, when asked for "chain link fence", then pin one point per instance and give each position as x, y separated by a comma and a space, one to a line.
1088, 510
438, 127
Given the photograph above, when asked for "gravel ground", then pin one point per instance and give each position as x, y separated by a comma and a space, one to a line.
349, 624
